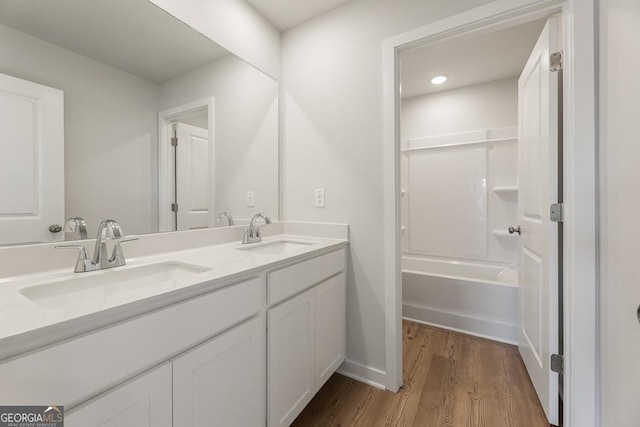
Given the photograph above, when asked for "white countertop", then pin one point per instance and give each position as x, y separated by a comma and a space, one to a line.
24, 325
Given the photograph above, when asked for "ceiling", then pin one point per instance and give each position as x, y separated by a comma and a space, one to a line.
133, 35
469, 60
284, 14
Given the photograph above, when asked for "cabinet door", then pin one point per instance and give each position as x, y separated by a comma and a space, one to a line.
221, 382
331, 324
144, 401
291, 370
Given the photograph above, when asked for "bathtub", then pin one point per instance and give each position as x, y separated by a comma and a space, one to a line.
477, 299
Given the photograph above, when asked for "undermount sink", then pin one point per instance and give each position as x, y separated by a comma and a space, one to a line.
276, 247
109, 285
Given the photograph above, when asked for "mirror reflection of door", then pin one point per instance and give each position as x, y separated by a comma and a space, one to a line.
194, 184
32, 167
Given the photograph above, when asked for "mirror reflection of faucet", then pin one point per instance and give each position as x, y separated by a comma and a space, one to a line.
75, 229
108, 229
227, 215
252, 234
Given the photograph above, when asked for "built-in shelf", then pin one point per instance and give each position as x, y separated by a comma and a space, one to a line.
507, 192
504, 233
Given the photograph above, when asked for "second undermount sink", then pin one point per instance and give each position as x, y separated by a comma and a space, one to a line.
276, 247
109, 286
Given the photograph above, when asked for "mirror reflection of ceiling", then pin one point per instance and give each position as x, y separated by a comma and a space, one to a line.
468, 61
284, 14
146, 41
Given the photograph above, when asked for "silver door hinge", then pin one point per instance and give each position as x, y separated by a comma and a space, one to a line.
174, 207
556, 61
557, 363
556, 212
174, 142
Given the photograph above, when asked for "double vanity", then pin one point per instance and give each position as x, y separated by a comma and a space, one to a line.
227, 334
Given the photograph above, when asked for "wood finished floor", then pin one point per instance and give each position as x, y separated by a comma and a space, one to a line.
450, 380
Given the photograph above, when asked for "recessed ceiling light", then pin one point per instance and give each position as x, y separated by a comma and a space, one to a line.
438, 80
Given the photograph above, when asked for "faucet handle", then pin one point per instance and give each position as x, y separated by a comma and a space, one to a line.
83, 264
117, 256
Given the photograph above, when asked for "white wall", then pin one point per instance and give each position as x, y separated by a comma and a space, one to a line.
234, 25
438, 181
246, 131
332, 139
110, 127
491, 105
619, 207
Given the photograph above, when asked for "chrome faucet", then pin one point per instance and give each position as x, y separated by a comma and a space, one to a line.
225, 214
101, 260
252, 234
76, 226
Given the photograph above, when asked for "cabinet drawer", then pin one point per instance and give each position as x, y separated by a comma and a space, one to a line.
288, 281
74, 370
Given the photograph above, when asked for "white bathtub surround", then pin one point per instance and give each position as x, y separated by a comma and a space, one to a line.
459, 172
476, 299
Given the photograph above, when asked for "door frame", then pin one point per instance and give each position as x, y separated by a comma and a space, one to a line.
165, 122
580, 232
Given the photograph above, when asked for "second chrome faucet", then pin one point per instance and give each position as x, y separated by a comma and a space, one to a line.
253, 234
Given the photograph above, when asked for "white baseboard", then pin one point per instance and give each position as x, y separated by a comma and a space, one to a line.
482, 328
365, 374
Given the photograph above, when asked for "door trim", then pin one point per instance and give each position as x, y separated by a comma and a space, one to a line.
165, 120
580, 183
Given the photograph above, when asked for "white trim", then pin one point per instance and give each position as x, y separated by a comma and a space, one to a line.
579, 174
164, 152
580, 225
510, 330
364, 374
465, 138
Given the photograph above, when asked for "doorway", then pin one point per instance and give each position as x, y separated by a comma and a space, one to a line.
479, 138
579, 185
187, 167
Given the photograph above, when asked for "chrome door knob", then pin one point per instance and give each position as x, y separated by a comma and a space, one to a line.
513, 230
55, 228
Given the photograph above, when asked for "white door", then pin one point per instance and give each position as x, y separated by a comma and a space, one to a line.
32, 163
195, 177
291, 365
221, 382
145, 401
538, 244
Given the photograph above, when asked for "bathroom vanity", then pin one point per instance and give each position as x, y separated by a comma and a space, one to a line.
227, 334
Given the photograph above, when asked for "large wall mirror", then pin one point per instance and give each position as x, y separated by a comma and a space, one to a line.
116, 109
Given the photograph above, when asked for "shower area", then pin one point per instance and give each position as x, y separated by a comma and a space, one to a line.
459, 182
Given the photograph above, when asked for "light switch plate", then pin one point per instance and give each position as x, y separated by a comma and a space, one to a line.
318, 199
250, 199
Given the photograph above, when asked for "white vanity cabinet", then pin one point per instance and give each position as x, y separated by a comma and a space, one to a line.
221, 381
291, 358
251, 351
143, 401
306, 333
189, 347
218, 382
